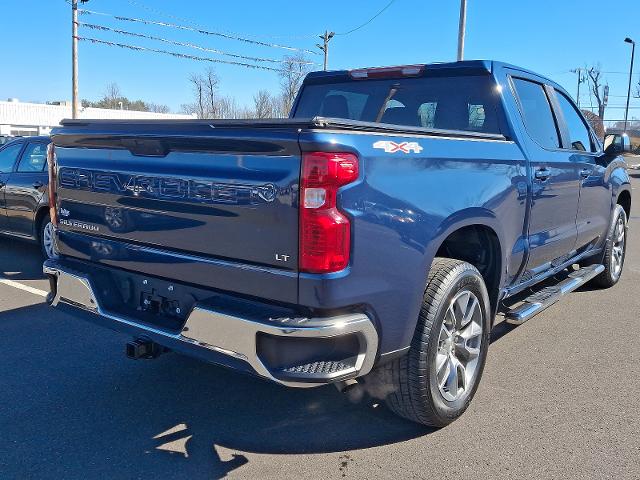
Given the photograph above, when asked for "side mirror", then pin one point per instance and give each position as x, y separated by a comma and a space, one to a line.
617, 144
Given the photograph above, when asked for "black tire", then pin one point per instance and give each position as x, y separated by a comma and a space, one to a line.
416, 394
611, 274
46, 220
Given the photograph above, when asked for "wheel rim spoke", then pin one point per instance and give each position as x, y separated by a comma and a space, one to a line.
443, 372
472, 308
620, 231
452, 379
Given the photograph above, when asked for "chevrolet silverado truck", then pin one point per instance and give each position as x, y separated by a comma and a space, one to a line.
371, 238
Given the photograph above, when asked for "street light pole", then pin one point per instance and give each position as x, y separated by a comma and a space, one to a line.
633, 51
461, 29
74, 58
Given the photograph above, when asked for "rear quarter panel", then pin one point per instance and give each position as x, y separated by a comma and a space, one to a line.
403, 207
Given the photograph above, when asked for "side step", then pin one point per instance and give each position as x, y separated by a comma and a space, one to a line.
541, 300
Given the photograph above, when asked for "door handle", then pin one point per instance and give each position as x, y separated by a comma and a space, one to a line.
38, 184
585, 172
543, 174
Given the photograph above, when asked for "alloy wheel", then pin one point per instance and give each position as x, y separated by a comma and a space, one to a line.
618, 250
47, 240
459, 345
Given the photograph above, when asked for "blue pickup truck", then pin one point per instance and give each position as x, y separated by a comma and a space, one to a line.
369, 240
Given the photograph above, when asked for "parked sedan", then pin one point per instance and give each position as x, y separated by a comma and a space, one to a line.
24, 203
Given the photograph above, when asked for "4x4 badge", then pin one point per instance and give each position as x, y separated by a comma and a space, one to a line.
393, 147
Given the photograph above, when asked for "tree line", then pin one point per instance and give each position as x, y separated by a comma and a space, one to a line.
208, 102
114, 99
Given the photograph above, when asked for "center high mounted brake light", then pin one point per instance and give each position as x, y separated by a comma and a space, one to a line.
325, 232
387, 72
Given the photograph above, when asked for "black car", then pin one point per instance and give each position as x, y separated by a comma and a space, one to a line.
24, 202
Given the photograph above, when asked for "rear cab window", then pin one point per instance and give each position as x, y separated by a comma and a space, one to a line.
469, 103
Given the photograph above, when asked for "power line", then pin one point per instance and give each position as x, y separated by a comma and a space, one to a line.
194, 24
370, 20
175, 54
186, 44
565, 72
197, 30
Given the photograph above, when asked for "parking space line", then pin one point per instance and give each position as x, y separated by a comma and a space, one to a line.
24, 287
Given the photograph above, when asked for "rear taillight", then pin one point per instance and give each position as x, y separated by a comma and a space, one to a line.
325, 232
51, 162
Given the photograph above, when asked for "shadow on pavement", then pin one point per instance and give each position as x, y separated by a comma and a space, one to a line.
20, 259
74, 406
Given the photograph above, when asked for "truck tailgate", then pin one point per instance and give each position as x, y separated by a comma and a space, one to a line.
222, 194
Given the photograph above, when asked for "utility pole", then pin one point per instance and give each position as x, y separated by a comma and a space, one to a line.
461, 29
74, 58
325, 46
633, 51
581, 79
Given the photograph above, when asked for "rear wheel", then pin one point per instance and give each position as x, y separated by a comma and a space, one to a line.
46, 238
435, 382
615, 250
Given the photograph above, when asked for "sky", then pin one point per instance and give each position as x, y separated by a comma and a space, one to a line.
550, 37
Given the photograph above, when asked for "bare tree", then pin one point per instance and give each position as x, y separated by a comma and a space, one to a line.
199, 106
597, 88
158, 108
595, 121
226, 107
112, 95
210, 81
264, 104
294, 69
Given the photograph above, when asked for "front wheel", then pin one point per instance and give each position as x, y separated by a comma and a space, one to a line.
46, 238
615, 250
434, 383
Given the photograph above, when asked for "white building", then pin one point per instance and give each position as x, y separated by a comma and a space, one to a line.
27, 119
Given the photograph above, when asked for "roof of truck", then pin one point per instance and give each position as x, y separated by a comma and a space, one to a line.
465, 66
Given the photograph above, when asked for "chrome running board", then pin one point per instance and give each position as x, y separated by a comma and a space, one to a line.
543, 299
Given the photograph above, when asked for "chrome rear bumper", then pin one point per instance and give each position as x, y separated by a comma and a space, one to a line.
233, 336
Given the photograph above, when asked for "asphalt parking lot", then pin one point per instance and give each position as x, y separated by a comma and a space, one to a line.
559, 399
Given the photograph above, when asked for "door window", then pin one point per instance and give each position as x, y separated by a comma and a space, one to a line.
8, 156
578, 131
536, 113
33, 158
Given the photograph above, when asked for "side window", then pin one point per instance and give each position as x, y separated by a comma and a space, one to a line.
578, 131
8, 157
536, 113
33, 158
